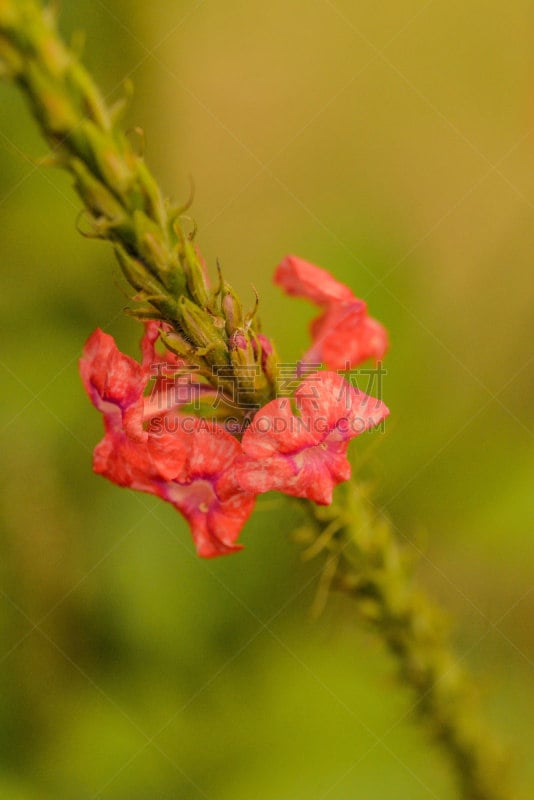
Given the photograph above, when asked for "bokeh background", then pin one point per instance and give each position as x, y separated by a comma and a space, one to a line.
393, 144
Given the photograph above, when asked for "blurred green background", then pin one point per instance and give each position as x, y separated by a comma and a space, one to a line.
393, 144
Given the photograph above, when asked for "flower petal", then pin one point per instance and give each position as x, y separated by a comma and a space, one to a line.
302, 279
108, 375
332, 404
304, 454
215, 524
125, 461
344, 335
275, 429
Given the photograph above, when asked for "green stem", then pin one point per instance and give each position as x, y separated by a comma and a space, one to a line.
124, 204
365, 560
119, 193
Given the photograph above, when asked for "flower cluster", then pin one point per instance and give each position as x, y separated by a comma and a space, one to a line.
209, 472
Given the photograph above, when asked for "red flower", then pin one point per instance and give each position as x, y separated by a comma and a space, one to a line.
305, 455
190, 464
344, 335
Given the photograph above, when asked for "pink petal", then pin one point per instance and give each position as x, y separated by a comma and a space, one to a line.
211, 450
275, 429
169, 454
265, 474
215, 525
125, 462
302, 279
344, 335
108, 375
332, 404
304, 454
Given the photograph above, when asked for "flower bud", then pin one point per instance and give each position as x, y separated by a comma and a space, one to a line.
232, 310
194, 271
200, 327
55, 110
153, 248
97, 197
110, 163
178, 345
241, 350
246, 358
152, 198
267, 357
136, 273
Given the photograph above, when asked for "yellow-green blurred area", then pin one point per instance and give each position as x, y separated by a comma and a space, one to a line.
391, 143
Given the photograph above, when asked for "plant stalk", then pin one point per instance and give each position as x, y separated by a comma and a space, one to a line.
365, 560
